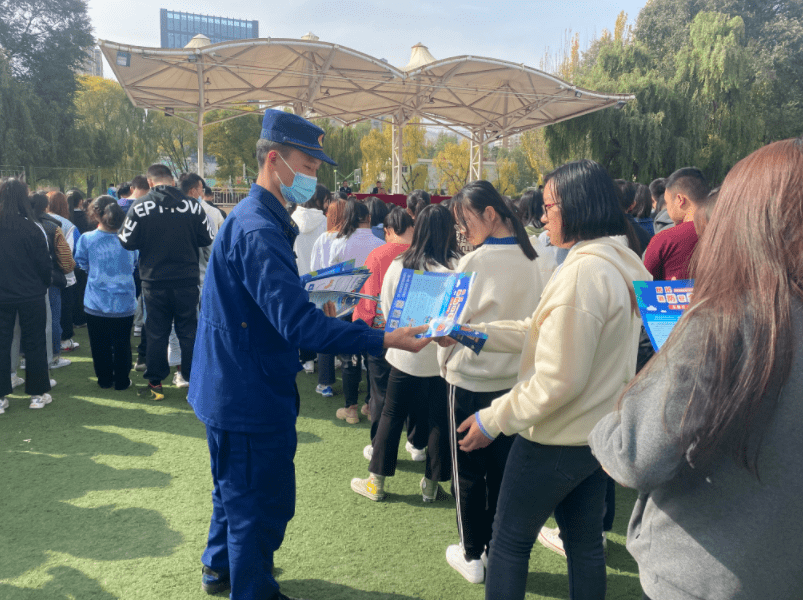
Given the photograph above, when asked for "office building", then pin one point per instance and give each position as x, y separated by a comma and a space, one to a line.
93, 64
178, 28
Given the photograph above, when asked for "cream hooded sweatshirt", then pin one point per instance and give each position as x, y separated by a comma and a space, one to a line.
578, 350
508, 285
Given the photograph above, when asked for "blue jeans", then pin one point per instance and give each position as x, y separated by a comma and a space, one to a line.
538, 481
253, 500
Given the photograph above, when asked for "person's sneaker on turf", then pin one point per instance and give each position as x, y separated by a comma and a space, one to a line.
324, 390
309, 366
430, 490
16, 381
52, 383
140, 366
368, 452
59, 362
40, 401
338, 363
69, 345
179, 381
22, 364
214, 582
130, 384
349, 415
418, 455
372, 488
156, 390
137, 331
472, 571
549, 538
366, 411
3, 405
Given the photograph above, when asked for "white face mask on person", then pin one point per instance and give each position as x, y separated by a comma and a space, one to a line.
301, 190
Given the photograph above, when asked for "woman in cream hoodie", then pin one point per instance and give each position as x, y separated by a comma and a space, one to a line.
510, 276
414, 382
578, 351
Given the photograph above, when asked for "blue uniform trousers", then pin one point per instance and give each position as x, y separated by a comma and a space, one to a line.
253, 500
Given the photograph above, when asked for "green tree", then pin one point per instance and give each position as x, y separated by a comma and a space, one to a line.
343, 145
232, 143
18, 136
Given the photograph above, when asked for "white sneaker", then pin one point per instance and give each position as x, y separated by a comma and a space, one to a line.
137, 331
416, 454
59, 362
368, 452
16, 381
40, 401
179, 381
52, 383
22, 364
309, 366
484, 558
69, 345
338, 363
550, 539
3, 405
472, 570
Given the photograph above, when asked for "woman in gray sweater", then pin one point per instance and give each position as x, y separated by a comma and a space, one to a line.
709, 432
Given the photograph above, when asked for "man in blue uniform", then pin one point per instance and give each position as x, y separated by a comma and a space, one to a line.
255, 315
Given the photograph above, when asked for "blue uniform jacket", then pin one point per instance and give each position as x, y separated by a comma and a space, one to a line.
255, 315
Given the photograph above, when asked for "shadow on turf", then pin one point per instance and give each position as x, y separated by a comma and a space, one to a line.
66, 583
55, 466
556, 585
317, 589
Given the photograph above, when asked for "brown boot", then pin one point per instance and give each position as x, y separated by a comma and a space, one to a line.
349, 415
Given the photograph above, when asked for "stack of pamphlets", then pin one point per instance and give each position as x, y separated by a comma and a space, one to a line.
339, 284
661, 304
437, 300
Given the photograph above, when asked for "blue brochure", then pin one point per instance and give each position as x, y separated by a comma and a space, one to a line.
339, 284
437, 300
661, 304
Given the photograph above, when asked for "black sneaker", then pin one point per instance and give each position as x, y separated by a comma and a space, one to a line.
213, 582
156, 391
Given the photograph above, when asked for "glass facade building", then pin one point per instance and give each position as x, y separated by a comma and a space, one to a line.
178, 28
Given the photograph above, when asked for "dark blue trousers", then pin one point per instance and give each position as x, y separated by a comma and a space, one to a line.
253, 500
538, 481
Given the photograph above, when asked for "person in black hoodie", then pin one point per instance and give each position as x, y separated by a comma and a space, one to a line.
167, 228
75, 202
24, 278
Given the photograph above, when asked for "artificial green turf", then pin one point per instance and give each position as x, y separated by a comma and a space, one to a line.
106, 495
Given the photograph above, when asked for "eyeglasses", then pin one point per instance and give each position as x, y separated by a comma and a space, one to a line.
548, 206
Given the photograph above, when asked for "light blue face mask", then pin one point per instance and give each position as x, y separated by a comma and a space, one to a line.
302, 189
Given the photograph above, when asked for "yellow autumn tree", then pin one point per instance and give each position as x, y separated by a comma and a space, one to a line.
507, 176
452, 165
534, 146
376, 149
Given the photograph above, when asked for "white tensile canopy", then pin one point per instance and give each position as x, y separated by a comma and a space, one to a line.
481, 99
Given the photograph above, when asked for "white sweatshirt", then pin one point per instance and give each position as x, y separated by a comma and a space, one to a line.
507, 286
311, 224
424, 363
321, 250
578, 350
357, 246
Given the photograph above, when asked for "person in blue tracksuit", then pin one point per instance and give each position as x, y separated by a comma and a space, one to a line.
255, 315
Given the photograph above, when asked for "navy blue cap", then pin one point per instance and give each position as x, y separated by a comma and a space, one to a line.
292, 130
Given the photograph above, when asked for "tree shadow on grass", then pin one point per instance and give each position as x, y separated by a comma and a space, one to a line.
317, 589
66, 583
44, 474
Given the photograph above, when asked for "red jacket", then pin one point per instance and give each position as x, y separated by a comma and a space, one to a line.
378, 262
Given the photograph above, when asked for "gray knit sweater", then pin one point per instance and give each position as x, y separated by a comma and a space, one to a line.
715, 532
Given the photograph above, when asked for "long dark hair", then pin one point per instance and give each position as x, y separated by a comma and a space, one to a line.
355, 213
14, 202
74, 199
417, 200
378, 209
107, 211
479, 195
434, 240
745, 311
399, 220
589, 203
319, 198
531, 207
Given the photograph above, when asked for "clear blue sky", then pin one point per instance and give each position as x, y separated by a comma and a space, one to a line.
522, 32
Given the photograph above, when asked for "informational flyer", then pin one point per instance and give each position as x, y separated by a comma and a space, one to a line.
339, 284
661, 304
437, 300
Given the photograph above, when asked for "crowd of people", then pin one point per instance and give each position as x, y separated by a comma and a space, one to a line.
566, 398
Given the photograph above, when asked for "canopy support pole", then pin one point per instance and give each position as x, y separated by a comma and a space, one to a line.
476, 155
200, 124
397, 145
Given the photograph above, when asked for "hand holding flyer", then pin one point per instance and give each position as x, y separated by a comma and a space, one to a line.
434, 299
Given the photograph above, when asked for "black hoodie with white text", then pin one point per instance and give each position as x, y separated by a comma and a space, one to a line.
167, 228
